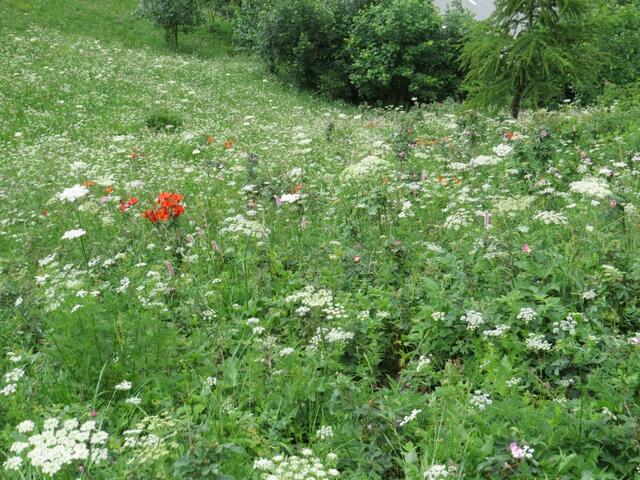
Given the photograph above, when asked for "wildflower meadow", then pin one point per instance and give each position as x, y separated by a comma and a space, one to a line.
206, 273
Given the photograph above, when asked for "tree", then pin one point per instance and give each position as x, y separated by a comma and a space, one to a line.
528, 49
399, 49
172, 15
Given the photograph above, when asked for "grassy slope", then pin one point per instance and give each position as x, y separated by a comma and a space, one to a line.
81, 106
112, 20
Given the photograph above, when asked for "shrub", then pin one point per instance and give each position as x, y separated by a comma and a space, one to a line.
172, 15
300, 38
618, 44
163, 121
399, 49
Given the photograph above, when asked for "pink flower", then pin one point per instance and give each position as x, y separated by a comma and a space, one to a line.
526, 248
516, 451
278, 200
487, 218
170, 268
357, 259
520, 453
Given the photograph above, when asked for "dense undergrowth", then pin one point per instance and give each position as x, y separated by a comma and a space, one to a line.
371, 294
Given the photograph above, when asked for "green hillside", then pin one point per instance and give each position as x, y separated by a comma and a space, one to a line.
207, 273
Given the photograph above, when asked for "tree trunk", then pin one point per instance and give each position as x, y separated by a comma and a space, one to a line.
517, 99
172, 36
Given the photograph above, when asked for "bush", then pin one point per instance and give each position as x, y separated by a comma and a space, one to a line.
172, 15
399, 49
618, 44
301, 38
163, 121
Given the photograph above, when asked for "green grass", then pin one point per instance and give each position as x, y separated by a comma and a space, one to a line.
386, 297
112, 21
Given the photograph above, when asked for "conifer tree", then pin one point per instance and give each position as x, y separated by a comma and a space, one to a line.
528, 49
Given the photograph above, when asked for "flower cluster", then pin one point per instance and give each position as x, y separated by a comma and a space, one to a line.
150, 440
519, 452
551, 218
480, 400
411, 417
591, 187
58, 445
473, 319
305, 466
527, 314
367, 168
240, 226
537, 343
11, 380
72, 194
124, 206
311, 299
329, 336
170, 206
439, 472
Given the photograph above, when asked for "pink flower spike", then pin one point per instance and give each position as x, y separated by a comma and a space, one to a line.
527, 249
278, 200
487, 218
170, 268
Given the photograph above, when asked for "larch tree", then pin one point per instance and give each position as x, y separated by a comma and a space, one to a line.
528, 49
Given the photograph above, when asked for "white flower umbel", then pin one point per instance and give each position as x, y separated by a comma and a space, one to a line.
74, 193
58, 445
473, 319
591, 187
304, 466
480, 400
72, 234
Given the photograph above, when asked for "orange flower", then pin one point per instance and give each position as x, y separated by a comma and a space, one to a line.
88, 184
170, 207
134, 154
109, 189
151, 215
443, 181
124, 206
210, 139
297, 188
228, 144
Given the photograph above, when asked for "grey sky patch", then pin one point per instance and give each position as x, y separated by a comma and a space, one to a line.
480, 8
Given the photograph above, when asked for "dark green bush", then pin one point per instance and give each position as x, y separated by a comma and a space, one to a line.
163, 121
401, 49
618, 43
304, 39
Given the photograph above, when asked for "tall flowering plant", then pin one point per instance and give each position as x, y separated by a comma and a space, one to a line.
170, 207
